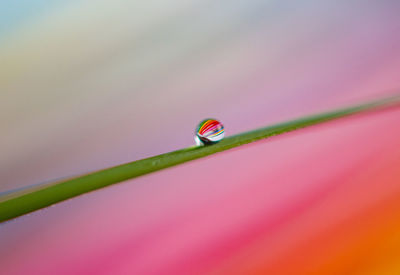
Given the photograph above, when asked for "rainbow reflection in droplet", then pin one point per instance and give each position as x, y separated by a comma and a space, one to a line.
209, 131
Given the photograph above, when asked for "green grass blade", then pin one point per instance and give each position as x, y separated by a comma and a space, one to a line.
22, 202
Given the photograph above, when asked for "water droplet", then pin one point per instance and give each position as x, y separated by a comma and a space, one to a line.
209, 131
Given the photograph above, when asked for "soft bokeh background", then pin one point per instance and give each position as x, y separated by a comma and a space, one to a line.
89, 84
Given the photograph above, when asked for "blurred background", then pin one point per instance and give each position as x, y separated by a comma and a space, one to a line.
89, 84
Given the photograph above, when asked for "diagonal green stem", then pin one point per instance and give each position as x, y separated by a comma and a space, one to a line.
14, 205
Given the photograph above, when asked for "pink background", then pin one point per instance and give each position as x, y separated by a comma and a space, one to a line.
91, 84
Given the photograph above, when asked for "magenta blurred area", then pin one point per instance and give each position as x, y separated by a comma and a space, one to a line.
90, 84
243, 209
